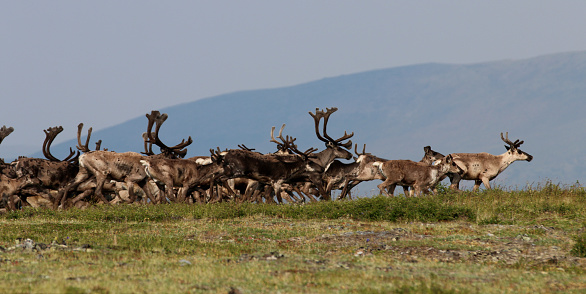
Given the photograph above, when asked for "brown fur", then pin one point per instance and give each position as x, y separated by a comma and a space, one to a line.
182, 173
418, 175
346, 176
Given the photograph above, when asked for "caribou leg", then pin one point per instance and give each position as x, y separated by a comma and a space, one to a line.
303, 195
81, 176
455, 181
146, 187
100, 181
81, 196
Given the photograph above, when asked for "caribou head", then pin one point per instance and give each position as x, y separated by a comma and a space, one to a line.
430, 157
513, 149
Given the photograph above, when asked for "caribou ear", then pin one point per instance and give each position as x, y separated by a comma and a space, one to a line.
508, 147
427, 149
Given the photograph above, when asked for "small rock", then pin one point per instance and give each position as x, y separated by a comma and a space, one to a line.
28, 244
41, 246
184, 262
360, 252
273, 256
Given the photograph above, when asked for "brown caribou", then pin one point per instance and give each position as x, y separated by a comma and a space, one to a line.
10, 189
185, 174
49, 174
418, 175
345, 176
484, 167
275, 170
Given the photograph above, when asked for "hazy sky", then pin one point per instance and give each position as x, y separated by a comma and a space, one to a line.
105, 62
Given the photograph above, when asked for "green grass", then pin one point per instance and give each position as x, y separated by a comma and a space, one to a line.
498, 241
374, 209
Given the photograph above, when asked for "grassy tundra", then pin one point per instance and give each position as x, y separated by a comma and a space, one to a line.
493, 241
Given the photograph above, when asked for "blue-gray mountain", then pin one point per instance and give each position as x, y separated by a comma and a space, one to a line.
398, 111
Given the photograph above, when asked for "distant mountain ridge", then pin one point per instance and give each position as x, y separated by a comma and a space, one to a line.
397, 111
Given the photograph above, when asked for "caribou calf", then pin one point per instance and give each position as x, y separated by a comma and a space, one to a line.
418, 175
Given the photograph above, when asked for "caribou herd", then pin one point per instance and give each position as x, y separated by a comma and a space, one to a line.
288, 175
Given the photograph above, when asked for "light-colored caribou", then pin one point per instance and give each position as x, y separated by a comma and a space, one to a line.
484, 167
123, 167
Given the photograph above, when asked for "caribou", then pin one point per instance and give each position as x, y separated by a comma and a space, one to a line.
345, 176
276, 170
9, 190
484, 167
50, 173
418, 175
124, 167
186, 174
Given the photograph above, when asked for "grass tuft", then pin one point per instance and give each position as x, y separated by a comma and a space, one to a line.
579, 249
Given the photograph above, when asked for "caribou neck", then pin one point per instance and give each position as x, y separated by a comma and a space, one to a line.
504, 160
324, 158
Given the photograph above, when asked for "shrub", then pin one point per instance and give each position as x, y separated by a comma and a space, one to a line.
579, 248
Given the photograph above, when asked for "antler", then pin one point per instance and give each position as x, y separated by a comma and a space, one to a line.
285, 143
216, 155
515, 144
158, 118
148, 145
280, 146
319, 114
4, 132
306, 154
50, 135
83, 148
243, 147
363, 150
